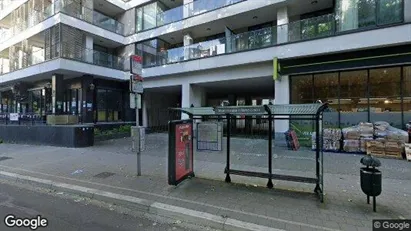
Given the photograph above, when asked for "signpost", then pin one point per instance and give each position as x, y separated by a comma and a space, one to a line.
136, 89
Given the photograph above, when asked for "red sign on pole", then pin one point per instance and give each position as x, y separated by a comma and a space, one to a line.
136, 65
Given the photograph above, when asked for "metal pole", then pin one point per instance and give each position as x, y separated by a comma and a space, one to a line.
270, 151
139, 138
227, 168
317, 153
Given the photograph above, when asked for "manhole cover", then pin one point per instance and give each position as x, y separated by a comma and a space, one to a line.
104, 175
5, 158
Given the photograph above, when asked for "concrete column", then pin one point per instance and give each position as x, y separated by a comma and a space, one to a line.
126, 52
89, 49
282, 25
188, 40
282, 96
192, 95
57, 93
128, 19
87, 104
188, 8
407, 11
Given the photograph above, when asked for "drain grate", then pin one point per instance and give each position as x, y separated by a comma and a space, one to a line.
5, 158
104, 175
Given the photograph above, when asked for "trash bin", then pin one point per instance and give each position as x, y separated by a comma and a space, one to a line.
371, 179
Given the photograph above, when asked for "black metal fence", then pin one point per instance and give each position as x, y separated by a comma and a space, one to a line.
22, 119
241, 126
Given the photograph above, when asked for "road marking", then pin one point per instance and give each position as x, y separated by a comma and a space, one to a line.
175, 198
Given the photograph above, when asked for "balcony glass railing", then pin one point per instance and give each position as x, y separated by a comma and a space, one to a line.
78, 11
4, 4
191, 9
194, 51
169, 16
22, 60
252, 39
201, 6
312, 28
34, 18
91, 56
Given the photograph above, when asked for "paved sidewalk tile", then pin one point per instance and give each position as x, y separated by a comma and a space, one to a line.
345, 207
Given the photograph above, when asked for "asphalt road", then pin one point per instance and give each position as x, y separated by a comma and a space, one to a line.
66, 212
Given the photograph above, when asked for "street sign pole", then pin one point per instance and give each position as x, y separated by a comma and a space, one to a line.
136, 86
138, 140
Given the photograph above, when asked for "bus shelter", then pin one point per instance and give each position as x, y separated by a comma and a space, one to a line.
310, 112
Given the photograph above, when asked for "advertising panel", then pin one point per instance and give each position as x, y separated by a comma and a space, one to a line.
183, 150
180, 151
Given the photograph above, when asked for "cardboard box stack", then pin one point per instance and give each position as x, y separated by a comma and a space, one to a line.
378, 139
393, 140
355, 137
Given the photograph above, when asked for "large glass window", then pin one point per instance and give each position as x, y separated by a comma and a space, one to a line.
379, 94
146, 16
406, 88
326, 90
390, 11
353, 97
101, 105
109, 105
385, 95
302, 89
149, 51
354, 14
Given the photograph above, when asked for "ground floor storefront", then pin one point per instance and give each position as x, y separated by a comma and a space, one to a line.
90, 99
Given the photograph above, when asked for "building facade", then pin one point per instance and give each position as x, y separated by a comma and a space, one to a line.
72, 56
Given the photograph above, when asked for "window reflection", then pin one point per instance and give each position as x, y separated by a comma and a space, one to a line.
385, 95
109, 105
407, 94
354, 14
302, 89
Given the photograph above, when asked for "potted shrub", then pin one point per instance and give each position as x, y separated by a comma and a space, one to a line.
371, 178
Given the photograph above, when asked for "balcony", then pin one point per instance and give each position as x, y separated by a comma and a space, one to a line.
297, 31
93, 17
181, 12
34, 18
62, 50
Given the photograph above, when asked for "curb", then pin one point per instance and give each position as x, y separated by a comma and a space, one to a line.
142, 205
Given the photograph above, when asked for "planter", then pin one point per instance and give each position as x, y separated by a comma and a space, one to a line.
371, 183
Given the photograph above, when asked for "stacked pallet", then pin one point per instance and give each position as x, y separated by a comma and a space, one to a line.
408, 151
383, 148
376, 147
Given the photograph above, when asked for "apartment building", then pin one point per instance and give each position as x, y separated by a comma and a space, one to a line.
72, 57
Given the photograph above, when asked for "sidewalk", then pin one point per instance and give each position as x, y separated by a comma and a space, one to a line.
345, 207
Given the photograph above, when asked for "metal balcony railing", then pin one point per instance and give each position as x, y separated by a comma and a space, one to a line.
78, 11
22, 60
